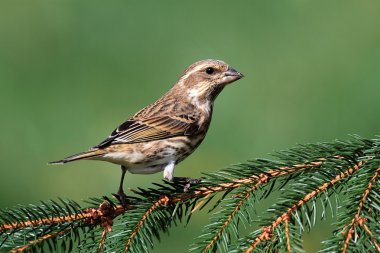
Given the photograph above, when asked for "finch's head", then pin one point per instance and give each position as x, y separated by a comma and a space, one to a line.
207, 78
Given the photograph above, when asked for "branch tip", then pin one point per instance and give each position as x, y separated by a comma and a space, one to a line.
164, 200
358, 220
267, 231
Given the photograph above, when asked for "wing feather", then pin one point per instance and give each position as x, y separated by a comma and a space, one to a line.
155, 128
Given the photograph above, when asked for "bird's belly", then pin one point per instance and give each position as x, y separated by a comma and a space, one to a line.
149, 157
146, 170
124, 157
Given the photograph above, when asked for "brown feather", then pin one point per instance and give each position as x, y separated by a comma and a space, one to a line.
150, 129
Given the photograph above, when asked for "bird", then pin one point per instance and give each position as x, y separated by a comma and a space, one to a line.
164, 133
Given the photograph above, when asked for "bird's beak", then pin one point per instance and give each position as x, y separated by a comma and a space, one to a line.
232, 75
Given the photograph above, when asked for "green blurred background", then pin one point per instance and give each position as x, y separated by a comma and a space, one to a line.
71, 71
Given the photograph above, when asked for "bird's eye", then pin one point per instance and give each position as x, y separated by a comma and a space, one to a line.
210, 70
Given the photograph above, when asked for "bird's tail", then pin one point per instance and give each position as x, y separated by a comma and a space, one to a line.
92, 153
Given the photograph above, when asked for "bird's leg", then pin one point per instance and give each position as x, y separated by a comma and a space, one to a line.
188, 182
120, 193
169, 175
169, 171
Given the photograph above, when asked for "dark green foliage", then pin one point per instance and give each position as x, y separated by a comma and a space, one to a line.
73, 231
370, 212
337, 178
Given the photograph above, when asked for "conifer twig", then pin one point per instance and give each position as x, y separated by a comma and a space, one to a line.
267, 231
103, 240
164, 200
287, 235
373, 239
89, 216
259, 180
302, 174
358, 220
39, 240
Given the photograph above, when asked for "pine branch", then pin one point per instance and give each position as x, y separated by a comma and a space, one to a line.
303, 175
33, 243
285, 217
231, 210
287, 235
91, 215
358, 220
161, 201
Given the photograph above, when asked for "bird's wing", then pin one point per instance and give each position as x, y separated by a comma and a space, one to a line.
155, 128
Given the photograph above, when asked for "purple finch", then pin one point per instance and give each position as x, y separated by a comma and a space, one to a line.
164, 133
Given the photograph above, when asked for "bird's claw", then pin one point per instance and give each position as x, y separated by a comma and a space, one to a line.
122, 198
188, 181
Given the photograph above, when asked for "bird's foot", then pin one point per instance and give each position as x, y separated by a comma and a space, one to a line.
122, 198
187, 181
